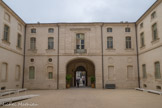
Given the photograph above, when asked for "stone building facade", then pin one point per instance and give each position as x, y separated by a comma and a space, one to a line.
125, 54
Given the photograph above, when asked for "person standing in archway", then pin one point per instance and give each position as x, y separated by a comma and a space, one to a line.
78, 81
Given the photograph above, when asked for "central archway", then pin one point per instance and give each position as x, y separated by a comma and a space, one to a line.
80, 68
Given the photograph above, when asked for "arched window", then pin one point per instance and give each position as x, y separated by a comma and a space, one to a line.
33, 30
80, 41
127, 29
50, 30
17, 73
109, 29
157, 70
31, 72
50, 72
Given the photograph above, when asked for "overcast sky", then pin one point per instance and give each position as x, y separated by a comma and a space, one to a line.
52, 11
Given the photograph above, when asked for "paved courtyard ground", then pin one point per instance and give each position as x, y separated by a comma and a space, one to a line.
91, 98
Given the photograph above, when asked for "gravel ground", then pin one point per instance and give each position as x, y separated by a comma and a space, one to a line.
89, 98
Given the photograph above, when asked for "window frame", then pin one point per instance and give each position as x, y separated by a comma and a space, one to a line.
127, 29
33, 77
142, 39
157, 77
8, 33
49, 30
128, 43
109, 30
50, 43
110, 42
79, 41
19, 43
153, 32
33, 31
144, 72
32, 43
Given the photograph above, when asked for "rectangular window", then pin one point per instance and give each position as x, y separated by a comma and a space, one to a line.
129, 72
157, 70
109, 29
154, 32
128, 43
127, 29
144, 71
17, 73
6, 33
19, 41
141, 25
142, 40
110, 42
50, 30
31, 72
32, 43
80, 41
153, 15
111, 72
4, 71
50, 43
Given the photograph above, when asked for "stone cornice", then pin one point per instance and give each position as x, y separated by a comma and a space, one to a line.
150, 49
148, 11
11, 50
11, 12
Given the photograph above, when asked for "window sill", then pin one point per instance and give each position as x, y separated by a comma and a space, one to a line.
110, 49
155, 41
6, 42
33, 50
19, 48
50, 50
129, 49
142, 47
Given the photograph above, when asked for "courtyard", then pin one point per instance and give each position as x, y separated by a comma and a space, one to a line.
90, 98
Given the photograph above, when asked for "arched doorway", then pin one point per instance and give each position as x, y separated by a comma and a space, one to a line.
80, 68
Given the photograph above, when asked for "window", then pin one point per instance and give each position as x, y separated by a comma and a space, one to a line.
127, 29
33, 30
128, 43
17, 73
19, 41
129, 72
109, 29
142, 40
50, 30
153, 15
144, 71
4, 71
50, 72
157, 70
50, 43
31, 72
50, 59
7, 17
110, 42
6, 33
141, 25
19, 27
80, 41
33, 43
31, 60
154, 32
111, 72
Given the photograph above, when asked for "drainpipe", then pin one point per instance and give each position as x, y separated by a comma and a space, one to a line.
24, 57
102, 56
58, 56
137, 57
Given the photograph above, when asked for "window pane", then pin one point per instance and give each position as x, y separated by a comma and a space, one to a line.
128, 42
157, 70
109, 42
33, 43
31, 72
144, 70
6, 33
4, 72
79, 41
50, 75
19, 41
33, 30
50, 30
50, 43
